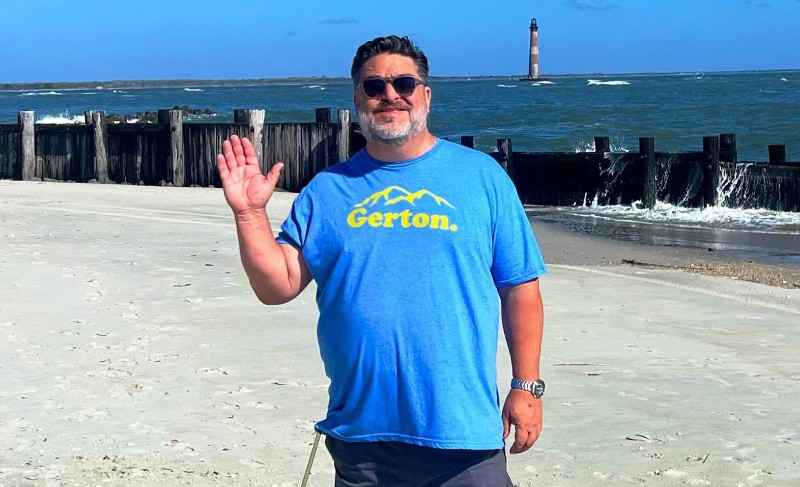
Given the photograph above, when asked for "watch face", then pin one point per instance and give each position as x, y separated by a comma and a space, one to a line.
538, 389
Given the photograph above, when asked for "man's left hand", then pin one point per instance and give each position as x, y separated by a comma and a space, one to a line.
525, 412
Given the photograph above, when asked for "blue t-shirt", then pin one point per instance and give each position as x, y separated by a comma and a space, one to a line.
407, 257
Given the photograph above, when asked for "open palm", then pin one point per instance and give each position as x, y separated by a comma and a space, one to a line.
246, 187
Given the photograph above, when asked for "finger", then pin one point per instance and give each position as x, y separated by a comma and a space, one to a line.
222, 167
236, 142
249, 152
520, 439
230, 158
506, 425
274, 173
532, 437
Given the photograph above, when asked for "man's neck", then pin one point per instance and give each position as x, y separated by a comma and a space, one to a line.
411, 149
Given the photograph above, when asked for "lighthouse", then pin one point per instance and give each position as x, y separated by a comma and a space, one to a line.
533, 65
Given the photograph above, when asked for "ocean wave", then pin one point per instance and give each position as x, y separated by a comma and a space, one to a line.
41, 93
597, 82
62, 119
87, 93
590, 147
717, 215
192, 89
542, 83
506, 86
784, 79
318, 87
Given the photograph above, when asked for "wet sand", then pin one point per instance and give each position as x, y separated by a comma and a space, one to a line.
132, 352
563, 243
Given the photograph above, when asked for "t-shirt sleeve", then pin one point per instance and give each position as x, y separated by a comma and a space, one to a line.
516, 257
294, 229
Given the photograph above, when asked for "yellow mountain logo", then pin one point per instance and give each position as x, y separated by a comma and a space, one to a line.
404, 195
360, 217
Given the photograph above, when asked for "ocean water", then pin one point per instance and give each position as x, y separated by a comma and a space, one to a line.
557, 114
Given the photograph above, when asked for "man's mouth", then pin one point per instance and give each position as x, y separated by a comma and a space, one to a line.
390, 110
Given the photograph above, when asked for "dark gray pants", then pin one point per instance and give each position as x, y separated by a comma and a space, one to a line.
390, 464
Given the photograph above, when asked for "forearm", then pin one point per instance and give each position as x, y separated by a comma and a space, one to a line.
263, 260
523, 324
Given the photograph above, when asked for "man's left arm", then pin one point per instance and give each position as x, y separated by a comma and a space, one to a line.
523, 322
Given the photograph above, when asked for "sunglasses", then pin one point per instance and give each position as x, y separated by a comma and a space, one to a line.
403, 85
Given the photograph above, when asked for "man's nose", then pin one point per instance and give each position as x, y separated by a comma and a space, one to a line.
389, 93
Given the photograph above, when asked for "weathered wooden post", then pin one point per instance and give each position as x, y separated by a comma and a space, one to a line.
647, 150
322, 115
26, 122
506, 155
777, 154
174, 118
255, 121
602, 145
711, 152
87, 117
100, 146
343, 135
468, 141
727, 148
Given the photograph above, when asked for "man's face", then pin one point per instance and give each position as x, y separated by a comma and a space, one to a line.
390, 117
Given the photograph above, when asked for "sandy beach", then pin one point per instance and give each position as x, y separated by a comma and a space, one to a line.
133, 352
563, 246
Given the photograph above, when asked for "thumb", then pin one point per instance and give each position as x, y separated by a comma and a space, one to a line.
274, 174
506, 425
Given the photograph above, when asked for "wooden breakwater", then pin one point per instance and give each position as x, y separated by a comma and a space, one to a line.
707, 177
174, 151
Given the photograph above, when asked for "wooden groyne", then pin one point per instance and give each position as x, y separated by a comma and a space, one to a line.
182, 153
172, 151
712, 176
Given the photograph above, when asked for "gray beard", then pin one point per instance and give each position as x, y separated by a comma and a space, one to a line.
373, 131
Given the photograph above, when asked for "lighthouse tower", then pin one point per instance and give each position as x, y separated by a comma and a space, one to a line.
533, 65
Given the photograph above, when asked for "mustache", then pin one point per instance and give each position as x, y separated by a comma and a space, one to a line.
392, 107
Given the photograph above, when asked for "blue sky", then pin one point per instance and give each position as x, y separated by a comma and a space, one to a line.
71, 40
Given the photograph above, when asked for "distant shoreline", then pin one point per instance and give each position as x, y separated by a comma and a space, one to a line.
189, 83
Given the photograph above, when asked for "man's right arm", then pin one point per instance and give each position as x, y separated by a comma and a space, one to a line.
277, 272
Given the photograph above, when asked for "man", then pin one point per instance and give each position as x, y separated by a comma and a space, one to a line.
410, 243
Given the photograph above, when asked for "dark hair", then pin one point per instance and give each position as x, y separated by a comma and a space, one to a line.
389, 45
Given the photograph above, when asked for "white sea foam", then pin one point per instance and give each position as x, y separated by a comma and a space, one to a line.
784, 79
88, 93
581, 146
597, 82
761, 220
318, 87
542, 83
132, 120
41, 93
506, 86
192, 89
62, 119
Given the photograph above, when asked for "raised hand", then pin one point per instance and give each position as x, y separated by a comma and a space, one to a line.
246, 188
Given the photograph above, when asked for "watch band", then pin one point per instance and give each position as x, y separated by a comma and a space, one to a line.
535, 387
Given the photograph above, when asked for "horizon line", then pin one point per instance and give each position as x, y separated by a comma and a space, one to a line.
89, 83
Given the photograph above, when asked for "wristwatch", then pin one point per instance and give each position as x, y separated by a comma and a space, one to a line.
535, 387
